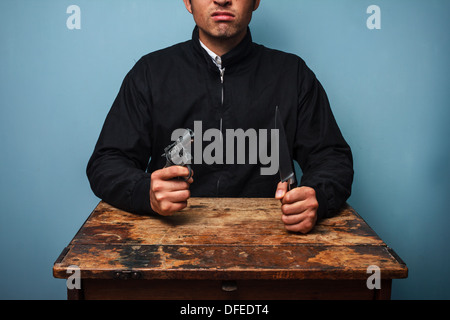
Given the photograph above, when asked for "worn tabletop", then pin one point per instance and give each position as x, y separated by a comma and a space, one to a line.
225, 238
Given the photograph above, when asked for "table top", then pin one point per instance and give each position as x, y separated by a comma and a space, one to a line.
225, 238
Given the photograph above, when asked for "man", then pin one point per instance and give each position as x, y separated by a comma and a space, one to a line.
226, 81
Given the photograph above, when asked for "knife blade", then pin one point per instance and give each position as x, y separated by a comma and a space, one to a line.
285, 165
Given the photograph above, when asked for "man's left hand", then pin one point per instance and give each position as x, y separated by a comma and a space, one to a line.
299, 207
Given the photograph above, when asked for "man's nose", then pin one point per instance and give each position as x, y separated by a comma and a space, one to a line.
222, 3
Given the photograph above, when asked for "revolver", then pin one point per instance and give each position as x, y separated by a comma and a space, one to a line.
177, 153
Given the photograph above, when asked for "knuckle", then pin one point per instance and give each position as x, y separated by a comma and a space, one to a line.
154, 175
285, 209
159, 196
307, 225
310, 192
165, 207
157, 185
303, 227
309, 219
313, 204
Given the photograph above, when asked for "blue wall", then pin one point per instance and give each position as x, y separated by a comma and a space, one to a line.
389, 90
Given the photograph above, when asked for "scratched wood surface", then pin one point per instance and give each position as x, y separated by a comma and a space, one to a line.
220, 238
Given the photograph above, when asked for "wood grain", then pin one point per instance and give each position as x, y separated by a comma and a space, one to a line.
225, 238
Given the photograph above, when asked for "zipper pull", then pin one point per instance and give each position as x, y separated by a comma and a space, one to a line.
222, 72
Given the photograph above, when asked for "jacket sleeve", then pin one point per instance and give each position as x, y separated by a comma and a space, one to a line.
320, 149
117, 167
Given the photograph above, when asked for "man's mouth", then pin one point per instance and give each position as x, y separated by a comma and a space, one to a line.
222, 16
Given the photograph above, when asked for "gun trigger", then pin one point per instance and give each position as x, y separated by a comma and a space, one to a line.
190, 173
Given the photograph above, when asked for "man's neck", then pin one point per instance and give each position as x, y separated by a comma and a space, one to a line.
221, 46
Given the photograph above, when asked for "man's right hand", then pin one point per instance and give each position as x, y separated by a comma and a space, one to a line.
168, 194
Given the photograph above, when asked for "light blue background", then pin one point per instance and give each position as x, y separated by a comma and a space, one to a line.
389, 89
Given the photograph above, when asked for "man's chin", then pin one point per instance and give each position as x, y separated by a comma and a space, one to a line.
225, 32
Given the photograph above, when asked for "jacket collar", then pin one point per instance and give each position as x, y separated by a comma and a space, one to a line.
236, 55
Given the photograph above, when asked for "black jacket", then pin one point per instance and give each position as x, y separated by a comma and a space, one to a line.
173, 87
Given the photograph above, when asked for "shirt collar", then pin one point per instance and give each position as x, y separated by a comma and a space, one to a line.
216, 59
233, 58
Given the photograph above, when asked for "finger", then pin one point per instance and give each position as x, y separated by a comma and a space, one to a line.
178, 196
281, 190
176, 185
309, 205
171, 196
170, 173
299, 194
304, 226
303, 222
169, 208
162, 186
292, 219
294, 208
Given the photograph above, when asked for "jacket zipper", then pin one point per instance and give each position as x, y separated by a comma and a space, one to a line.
222, 72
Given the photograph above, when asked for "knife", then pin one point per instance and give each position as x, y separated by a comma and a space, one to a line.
285, 166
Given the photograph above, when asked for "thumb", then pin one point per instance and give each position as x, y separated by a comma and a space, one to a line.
281, 190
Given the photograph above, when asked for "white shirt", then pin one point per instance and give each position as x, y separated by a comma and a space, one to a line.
216, 59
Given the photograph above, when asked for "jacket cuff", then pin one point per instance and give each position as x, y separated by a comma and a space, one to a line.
322, 211
140, 198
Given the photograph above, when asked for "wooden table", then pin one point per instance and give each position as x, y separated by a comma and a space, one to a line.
221, 248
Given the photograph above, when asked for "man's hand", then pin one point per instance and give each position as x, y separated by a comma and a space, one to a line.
168, 194
299, 207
